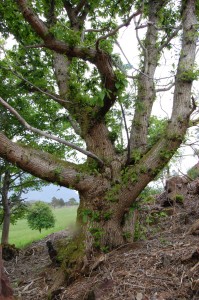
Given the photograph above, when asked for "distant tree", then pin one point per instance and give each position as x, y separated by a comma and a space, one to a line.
54, 202
57, 202
61, 202
40, 216
71, 202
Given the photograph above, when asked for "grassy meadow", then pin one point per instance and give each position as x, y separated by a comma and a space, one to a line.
21, 235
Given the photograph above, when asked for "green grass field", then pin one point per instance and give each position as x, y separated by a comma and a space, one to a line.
21, 235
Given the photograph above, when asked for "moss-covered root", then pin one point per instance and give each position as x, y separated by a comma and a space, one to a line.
71, 254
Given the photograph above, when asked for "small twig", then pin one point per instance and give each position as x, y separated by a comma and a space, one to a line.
35, 46
182, 277
194, 267
163, 109
119, 46
6, 271
185, 175
27, 286
148, 23
170, 38
113, 32
28, 292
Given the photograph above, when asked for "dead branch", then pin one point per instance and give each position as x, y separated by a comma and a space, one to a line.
166, 88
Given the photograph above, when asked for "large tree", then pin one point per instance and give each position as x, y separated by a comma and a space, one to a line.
65, 59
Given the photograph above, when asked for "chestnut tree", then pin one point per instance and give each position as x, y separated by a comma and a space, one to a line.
66, 83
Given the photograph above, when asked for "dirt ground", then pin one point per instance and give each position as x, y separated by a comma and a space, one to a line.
162, 266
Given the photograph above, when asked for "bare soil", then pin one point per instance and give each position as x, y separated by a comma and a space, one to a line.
162, 266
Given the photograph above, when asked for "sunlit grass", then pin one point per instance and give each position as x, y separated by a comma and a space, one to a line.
21, 235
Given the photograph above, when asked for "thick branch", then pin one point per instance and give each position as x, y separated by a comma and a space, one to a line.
146, 90
61, 66
50, 42
152, 162
47, 135
182, 108
40, 28
43, 165
70, 11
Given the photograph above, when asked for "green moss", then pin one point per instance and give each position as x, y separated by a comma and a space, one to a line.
179, 198
97, 234
135, 156
166, 154
189, 75
127, 235
107, 215
91, 167
176, 136
112, 194
143, 169
130, 175
78, 178
71, 254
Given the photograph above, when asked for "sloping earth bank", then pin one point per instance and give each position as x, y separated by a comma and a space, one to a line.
163, 266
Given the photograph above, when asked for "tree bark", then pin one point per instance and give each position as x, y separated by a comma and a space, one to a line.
102, 229
146, 88
6, 208
6, 227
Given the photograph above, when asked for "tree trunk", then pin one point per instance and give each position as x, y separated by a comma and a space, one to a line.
102, 222
6, 227
6, 208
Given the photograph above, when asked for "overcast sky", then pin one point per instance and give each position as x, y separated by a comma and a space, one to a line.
50, 191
